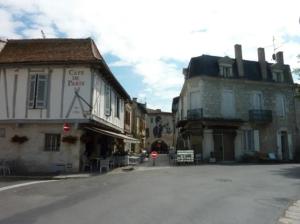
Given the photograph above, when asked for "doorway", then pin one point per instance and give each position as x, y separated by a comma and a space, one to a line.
284, 145
224, 145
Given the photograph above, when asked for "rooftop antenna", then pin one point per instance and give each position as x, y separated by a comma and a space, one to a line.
43, 34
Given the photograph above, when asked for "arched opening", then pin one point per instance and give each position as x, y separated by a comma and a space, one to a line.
159, 146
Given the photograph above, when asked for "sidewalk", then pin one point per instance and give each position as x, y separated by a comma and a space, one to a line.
291, 215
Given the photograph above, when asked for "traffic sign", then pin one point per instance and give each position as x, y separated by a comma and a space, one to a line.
154, 154
66, 127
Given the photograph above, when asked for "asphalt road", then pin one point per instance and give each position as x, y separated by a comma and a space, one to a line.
209, 194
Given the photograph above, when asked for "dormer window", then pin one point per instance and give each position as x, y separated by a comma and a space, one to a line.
226, 71
225, 67
278, 76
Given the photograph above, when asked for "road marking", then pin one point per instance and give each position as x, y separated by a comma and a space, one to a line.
24, 184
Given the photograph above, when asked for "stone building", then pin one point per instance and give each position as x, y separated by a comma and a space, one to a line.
159, 131
138, 125
230, 107
46, 83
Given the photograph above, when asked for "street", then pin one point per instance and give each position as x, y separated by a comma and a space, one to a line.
207, 194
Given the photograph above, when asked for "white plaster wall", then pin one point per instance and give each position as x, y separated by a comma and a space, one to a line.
31, 155
99, 104
56, 92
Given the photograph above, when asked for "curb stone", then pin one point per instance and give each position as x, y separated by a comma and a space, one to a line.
291, 215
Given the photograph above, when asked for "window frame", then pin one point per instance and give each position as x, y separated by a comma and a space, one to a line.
117, 106
55, 142
107, 100
35, 82
248, 144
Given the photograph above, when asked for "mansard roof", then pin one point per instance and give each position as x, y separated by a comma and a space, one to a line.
207, 65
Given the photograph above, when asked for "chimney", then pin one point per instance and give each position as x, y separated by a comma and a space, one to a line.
2, 44
262, 62
279, 57
134, 99
239, 59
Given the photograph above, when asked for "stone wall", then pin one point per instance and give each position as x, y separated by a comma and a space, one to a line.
210, 94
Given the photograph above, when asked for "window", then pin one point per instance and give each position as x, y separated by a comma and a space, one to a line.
195, 100
117, 107
278, 76
248, 140
151, 120
280, 106
38, 87
228, 104
2, 132
107, 100
127, 117
226, 71
52, 142
257, 101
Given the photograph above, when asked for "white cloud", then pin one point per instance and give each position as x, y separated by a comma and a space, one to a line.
143, 34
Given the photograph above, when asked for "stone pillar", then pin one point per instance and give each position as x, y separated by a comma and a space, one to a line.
208, 143
238, 145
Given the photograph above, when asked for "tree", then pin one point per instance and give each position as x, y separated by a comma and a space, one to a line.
296, 71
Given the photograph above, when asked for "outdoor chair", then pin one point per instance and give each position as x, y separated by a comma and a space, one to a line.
4, 168
104, 163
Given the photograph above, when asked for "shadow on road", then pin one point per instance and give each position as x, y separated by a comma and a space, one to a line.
291, 172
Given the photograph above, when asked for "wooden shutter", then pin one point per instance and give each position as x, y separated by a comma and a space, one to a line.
41, 91
32, 90
256, 140
107, 109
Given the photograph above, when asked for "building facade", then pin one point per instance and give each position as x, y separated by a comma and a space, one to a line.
231, 108
160, 130
46, 84
139, 114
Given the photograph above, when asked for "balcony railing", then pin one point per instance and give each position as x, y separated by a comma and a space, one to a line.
261, 116
195, 114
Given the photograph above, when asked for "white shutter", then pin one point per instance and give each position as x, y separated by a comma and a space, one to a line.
41, 91
195, 100
256, 140
228, 104
279, 151
31, 92
290, 145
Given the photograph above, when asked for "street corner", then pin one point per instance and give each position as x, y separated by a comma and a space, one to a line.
291, 215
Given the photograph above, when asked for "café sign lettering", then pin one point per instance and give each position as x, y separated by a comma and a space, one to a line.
75, 78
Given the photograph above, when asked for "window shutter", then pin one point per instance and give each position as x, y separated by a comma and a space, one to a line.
41, 94
279, 151
107, 100
31, 93
256, 140
290, 146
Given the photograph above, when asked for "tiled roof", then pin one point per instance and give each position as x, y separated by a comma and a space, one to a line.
58, 51
208, 65
49, 50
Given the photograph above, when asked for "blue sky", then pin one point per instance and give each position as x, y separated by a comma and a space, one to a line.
148, 43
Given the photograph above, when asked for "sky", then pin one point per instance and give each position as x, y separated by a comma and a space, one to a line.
147, 43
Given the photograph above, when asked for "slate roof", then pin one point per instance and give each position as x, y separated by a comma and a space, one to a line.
208, 65
57, 51
175, 104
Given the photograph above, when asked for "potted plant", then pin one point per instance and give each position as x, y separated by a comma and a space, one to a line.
69, 139
212, 158
19, 139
